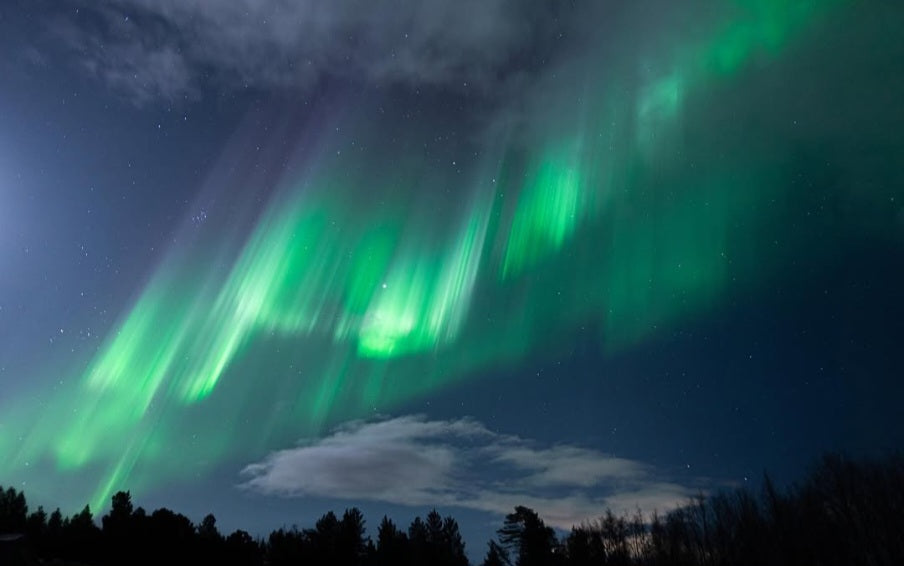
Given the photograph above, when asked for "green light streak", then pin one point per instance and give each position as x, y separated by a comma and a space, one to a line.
548, 211
425, 297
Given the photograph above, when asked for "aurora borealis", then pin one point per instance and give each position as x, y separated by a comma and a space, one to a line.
368, 239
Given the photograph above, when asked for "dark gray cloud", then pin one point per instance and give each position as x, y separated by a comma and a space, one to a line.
166, 48
414, 461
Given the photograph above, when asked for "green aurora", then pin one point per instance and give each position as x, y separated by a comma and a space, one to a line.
368, 302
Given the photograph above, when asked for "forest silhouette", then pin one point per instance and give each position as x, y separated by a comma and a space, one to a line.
844, 512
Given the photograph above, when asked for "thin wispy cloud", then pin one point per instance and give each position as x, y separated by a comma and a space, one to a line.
414, 461
166, 48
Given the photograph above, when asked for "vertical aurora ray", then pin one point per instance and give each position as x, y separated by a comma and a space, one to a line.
373, 294
548, 210
425, 296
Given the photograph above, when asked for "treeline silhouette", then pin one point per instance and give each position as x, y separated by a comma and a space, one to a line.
844, 512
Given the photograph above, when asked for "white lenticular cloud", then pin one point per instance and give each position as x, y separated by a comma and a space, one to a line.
414, 461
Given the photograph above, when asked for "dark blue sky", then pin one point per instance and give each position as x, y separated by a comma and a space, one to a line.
464, 256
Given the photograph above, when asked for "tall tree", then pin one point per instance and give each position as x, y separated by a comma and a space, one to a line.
392, 544
454, 545
526, 536
351, 544
284, 547
496, 555
577, 547
242, 550
417, 541
323, 539
13, 511
208, 528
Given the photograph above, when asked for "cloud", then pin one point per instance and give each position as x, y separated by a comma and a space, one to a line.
167, 47
414, 461
568, 466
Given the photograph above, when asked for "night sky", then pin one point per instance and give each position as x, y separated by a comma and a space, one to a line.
268, 258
